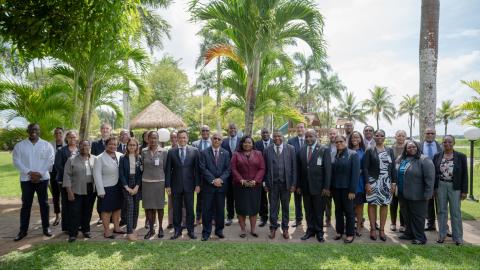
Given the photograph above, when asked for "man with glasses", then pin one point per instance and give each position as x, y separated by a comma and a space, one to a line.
203, 143
298, 142
368, 137
348, 129
261, 145
429, 148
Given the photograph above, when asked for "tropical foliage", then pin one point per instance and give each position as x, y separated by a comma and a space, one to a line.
472, 108
410, 106
350, 109
380, 105
446, 113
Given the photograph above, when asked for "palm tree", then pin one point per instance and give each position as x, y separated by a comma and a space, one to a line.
447, 112
328, 88
471, 108
254, 27
428, 54
379, 104
409, 105
350, 109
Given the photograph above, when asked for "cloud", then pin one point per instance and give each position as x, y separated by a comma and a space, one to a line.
464, 33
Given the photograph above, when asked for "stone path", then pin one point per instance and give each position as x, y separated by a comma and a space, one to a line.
10, 212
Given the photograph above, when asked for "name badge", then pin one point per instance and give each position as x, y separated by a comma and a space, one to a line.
157, 162
319, 161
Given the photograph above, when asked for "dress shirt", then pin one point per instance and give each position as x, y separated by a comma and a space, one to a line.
313, 148
233, 143
276, 147
29, 157
301, 141
369, 143
426, 149
204, 144
266, 143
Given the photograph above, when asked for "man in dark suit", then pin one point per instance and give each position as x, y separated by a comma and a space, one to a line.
429, 148
203, 143
280, 180
123, 140
260, 146
332, 134
215, 168
298, 142
231, 144
315, 169
182, 179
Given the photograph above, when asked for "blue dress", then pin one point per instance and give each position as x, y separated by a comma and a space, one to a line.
360, 192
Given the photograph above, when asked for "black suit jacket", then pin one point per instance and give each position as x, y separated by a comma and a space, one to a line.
346, 170
296, 143
119, 148
211, 170
460, 170
226, 145
260, 146
97, 147
314, 175
439, 147
124, 171
61, 157
290, 164
182, 177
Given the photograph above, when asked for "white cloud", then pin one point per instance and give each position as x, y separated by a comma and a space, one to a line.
464, 33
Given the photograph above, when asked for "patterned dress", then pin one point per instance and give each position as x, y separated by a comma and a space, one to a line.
381, 194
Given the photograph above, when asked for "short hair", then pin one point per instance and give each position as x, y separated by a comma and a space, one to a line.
219, 134
151, 132
58, 128
111, 138
105, 124
361, 145
31, 125
368, 126
69, 133
311, 130
265, 130
136, 151
301, 123
242, 141
341, 136
277, 131
84, 140
404, 152
379, 130
182, 131
399, 131
449, 136
205, 127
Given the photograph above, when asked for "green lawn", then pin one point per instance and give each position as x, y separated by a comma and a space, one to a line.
215, 255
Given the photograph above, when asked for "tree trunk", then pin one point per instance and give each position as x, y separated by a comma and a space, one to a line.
85, 121
377, 116
328, 114
428, 53
219, 95
307, 80
446, 125
75, 97
126, 102
411, 125
252, 85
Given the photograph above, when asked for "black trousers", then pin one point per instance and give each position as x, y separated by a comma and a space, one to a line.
180, 200
264, 206
394, 209
414, 214
432, 207
55, 190
230, 202
298, 206
328, 208
213, 208
65, 208
344, 212
28, 191
279, 194
80, 211
314, 208
198, 207
123, 213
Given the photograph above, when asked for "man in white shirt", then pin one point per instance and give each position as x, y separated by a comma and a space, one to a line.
33, 157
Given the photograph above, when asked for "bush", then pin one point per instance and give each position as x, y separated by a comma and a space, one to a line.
10, 137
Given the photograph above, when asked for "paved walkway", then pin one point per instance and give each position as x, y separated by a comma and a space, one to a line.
10, 212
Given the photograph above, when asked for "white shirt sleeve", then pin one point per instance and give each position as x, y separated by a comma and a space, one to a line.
97, 175
17, 159
50, 159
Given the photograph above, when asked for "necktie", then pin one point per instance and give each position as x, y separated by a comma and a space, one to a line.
124, 148
301, 142
278, 150
216, 156
309, 153
233, 143
204, 145
430, 150
182, 155
265, 144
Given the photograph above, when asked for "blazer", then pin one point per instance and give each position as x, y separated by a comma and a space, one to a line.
314, 175
252, 168
124, 170
439, 147
371, 166
61, 157
419, 179
260, 146
97, 147
226, 145
119, 148
105, 172
460, 170
346, 171
289, 161
55, 149
182, 177
76, 175
198, 145
295, 142
211, 170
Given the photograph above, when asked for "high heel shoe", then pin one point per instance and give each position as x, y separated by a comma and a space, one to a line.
374, 236
384, 237
337, 237
346, 241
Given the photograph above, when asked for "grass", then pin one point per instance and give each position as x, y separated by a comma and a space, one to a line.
217, 255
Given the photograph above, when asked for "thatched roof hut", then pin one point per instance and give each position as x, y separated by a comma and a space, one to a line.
156, 115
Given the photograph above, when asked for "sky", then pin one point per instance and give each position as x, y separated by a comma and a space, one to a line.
372, 42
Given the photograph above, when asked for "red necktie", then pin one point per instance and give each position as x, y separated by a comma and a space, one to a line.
309, 153
216, 157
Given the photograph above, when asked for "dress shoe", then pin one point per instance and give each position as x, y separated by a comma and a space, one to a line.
192, 235
204, 238
307, 236
285, 234
430, 228
440, 241
149, 235
20, 236
337, 237
262, 223
72, 239
458, 243
170, 226
405, 237
417, 242
298, 223
228, 222
99, 222
320, 238
220, 235
87, 235
449, 234
327, 223
176, 235
160, 233
272, 234
346, 241
47, 232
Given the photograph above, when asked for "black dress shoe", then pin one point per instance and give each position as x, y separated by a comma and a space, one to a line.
47, 232
307, 236
204, 238
192, 235
458, 243
440, 241
262, 223
149, 235
320, 238
175, 235
228, 222
87, 235
297, 224
20, 236
220, 235
160, 233
405, 237
449, 234
430, 228
170, 226
417, 242
72, 239
337, 237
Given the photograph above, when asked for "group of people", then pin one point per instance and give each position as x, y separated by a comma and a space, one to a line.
247, 178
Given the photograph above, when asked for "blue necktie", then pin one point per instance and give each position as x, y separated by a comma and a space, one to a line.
430, 150
182, 155
233, 143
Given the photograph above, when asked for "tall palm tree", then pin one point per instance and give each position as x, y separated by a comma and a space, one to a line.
379, 104
350, 109
253, 27
428, 54
327, 88
409, 105
447, 112
471, 108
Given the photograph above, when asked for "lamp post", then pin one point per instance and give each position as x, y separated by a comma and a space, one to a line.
472, 134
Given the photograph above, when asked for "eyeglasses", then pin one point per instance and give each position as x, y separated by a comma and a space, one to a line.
368, 130
381, 136
340, 142
206, 130
430, 133
216, 139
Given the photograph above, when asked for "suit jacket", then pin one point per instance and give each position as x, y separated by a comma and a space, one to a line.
371, 164
289, 161
314, 175
119, 148
198, 145
419, 179
55, 149
182, 177
460, 170
124, 170
61, 157
295, 142
252, 168
105, 171
211, 170
97, 147
439, 147
346, 171
226, 145
260, 146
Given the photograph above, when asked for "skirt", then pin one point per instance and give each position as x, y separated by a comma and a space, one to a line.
113, 199
247, 200
153, 195
359, 198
